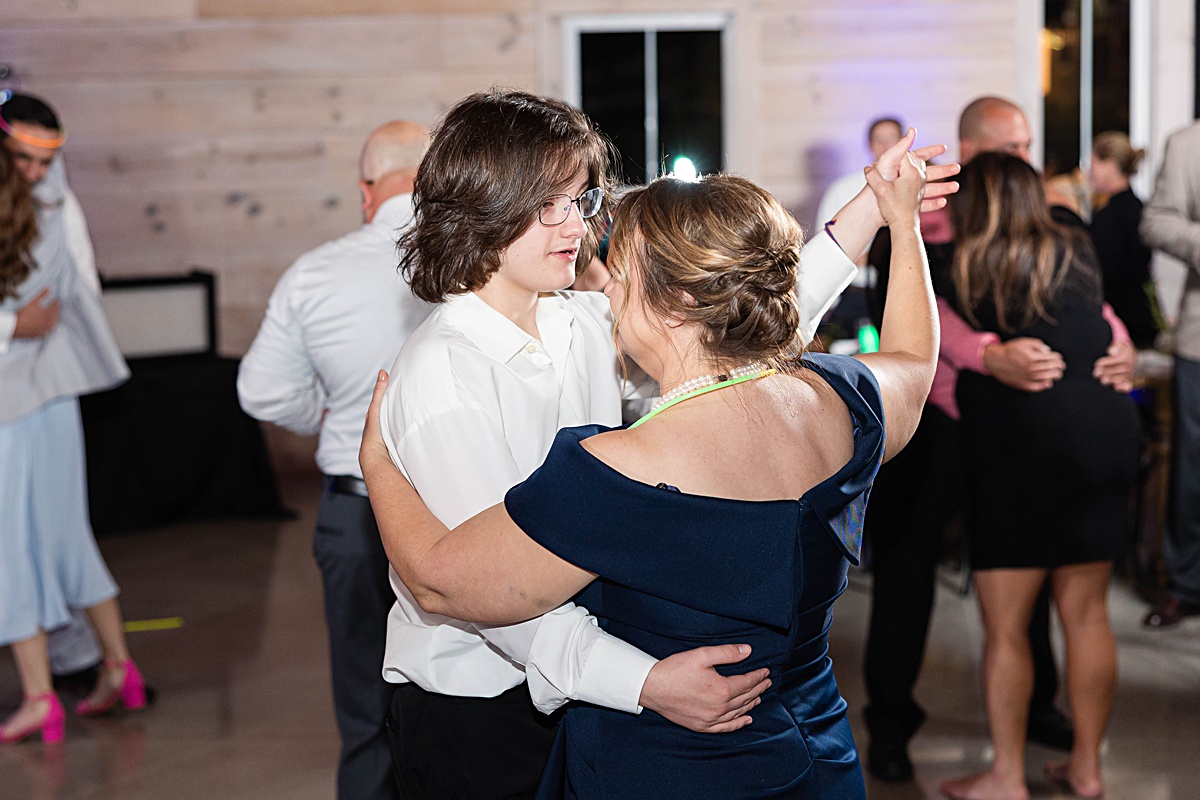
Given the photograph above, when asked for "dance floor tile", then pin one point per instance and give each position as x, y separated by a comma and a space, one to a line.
244, 709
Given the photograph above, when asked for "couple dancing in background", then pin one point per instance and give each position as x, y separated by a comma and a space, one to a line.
49, 561
730, 513
1048, 474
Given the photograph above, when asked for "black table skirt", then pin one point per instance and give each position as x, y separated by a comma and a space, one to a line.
172, 445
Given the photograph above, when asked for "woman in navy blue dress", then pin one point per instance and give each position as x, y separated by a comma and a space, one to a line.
729, 514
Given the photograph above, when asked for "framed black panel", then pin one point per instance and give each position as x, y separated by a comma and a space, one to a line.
613, 78
690, 99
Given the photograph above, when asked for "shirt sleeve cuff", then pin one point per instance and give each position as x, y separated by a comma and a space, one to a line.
1119, 331
962, 346
985, 339
614, 675
825, 273
8, 326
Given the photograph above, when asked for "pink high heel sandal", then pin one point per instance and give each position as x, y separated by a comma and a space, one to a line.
132, 693
53, 725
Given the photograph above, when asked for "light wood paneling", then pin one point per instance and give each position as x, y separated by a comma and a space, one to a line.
225, 133
334, 46
215, 226
265, 9
212, 107
196, 161
555, 9
232, 144
826, 69
913, 31
26, 10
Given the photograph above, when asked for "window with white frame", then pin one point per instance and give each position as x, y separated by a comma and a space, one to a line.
655, 85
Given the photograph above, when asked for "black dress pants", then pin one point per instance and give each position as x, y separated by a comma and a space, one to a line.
358, 597
468, 748
914, 498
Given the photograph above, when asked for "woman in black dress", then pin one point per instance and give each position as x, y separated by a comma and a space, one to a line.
1048, 473
1124, 259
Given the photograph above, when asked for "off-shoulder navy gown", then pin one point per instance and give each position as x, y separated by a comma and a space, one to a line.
679, 571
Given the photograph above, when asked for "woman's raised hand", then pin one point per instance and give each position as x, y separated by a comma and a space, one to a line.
900, 198
890, 163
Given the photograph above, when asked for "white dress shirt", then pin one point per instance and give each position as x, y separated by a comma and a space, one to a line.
472, 410
840, 192
336, 317
825, 272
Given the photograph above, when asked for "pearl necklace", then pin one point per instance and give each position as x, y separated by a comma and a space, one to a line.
702, 381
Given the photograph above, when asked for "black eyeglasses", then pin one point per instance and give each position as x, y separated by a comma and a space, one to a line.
557, 207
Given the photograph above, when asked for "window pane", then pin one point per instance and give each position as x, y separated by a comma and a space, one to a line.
613, 77
1062, 98
689, 98
1111, 77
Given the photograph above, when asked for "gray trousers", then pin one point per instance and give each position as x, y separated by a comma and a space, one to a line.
354, 572
1181, 549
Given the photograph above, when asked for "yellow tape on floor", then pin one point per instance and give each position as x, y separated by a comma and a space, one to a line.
164, 624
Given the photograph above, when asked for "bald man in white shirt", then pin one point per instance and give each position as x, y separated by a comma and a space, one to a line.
338, 316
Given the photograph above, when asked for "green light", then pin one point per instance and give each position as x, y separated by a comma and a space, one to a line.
868, 337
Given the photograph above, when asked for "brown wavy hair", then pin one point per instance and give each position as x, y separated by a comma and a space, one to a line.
721, 253
494, 158
18, 226
1008, 250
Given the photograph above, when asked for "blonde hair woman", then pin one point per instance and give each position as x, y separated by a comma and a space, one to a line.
1124, 258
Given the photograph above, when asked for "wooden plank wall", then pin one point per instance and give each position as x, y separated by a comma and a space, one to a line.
231, 143
224, 133
829, 68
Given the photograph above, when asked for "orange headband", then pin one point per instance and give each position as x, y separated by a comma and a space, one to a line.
30, 139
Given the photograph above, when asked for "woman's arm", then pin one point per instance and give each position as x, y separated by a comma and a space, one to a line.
908, 340
565, 654
488, 571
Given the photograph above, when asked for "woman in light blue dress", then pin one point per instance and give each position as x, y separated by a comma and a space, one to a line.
49, 561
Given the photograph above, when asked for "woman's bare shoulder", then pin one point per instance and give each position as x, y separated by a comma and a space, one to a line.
609, 444
637, 454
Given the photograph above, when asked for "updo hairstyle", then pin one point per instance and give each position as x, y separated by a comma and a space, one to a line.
720, 253
1115, 146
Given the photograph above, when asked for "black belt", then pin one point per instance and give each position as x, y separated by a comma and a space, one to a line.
346, 484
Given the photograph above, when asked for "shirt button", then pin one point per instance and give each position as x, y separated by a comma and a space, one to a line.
531, 348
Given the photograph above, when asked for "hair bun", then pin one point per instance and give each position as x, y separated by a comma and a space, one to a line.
764, 313
720, 253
